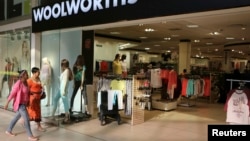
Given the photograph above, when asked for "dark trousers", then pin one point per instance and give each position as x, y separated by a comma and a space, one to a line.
77, 86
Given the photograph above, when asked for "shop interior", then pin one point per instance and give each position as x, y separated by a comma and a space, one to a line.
150, 44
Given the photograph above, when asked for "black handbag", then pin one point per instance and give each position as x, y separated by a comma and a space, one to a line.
43, 95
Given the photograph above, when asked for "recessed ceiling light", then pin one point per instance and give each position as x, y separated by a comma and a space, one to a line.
230, 38
143, 37
214, 33
192, 26
115, 33
175, 35
149, 30
196, 41
216, 49
168, 51
147, 48
167, 38
209, 43
140, 24
157, 45
242, 39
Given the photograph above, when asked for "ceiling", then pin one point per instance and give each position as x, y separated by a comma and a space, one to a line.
233, 23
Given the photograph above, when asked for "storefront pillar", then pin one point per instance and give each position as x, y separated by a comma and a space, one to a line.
184, 55
227, 63
35, 52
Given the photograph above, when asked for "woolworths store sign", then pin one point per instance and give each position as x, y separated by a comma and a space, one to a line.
76, 7
75, 13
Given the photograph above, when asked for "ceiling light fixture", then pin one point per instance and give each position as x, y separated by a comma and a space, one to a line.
167, 38
192, 26
115, 33
175, 35
214, 33
149, 30
209, 43
196, 41
230, 38
143, 37
147, 48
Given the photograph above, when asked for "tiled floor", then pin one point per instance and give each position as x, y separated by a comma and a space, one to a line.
182, 124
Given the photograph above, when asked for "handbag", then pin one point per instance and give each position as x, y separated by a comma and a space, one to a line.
43, 95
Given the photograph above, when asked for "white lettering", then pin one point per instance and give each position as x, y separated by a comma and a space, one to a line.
74, 7
216, 132
38, 14
84, 8
47, 12
132, 1
97, 5
56, 10
63, 12
107, 4
115, 3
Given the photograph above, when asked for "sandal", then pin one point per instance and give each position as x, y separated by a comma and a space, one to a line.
65, 121
41, 129
33, 139
10, 134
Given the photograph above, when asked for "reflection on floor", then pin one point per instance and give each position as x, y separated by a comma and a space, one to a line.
184, 123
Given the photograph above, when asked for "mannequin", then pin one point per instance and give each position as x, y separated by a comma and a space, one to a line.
172, 83
25, 59
6, 77
79, 79
46, 78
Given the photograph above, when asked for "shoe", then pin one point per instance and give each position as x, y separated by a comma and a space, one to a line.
10, 134
87, 115
33, 139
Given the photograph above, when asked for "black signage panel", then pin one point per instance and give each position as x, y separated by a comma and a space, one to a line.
2, 10
73, 13
88, 54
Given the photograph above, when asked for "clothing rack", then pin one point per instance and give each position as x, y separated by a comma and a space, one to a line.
236, 80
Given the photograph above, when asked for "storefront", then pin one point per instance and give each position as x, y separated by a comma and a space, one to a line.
58, 31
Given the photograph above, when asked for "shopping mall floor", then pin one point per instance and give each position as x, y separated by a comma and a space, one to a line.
181, 124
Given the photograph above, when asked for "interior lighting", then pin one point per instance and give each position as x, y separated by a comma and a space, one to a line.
209, 43
230, 38
214, 33
196, 41
147, 48
167, 38
192, 26
143, 37
149, 30
115, 33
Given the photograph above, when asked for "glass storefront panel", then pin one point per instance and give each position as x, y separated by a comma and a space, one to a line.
55, 46
14, 56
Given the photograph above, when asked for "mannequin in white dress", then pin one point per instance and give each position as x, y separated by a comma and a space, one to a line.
46, 78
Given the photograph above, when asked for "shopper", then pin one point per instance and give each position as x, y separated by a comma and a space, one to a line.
117, 66
20, 96
124, 66
65, 77
36, 89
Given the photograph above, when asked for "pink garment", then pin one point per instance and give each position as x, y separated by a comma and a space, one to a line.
19, 94
172, 79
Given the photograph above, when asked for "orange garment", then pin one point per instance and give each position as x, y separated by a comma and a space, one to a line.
184, 87
34, 107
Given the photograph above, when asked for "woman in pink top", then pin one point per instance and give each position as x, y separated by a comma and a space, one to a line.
20, 96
